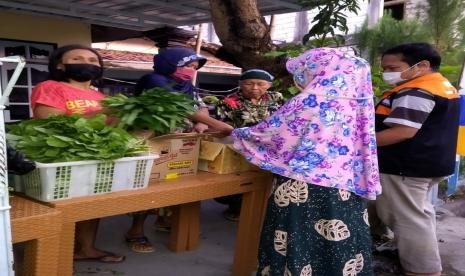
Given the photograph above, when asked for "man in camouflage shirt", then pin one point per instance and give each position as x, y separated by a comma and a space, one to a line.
248, 107
252, 103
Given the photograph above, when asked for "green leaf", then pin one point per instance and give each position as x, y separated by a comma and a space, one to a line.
81, 123
55, 142
275, 54
293, 90
54, 153
161, 120
136, 112
64, 138
133, 115
71, 138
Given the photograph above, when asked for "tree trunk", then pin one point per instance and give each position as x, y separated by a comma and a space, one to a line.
244, 34
240, 26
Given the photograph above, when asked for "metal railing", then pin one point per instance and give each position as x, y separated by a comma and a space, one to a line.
6, 248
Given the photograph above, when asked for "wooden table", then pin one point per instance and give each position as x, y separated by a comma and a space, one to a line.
39, 226
185, 193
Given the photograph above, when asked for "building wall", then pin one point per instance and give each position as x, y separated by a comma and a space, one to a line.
286, 25
412, 8
43, 29
33, 33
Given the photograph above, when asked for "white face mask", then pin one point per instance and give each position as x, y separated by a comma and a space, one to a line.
395, 77
392, 77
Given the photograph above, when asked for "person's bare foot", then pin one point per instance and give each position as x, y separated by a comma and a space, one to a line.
93, 254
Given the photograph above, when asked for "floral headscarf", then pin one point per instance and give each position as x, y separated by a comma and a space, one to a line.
325, 135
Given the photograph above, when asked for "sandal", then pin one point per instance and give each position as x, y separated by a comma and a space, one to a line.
140, 244
107, 257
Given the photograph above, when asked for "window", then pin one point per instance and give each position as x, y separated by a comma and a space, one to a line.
396, 8
35, 71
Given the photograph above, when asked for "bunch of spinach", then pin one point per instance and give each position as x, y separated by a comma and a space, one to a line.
72, 138
155, 109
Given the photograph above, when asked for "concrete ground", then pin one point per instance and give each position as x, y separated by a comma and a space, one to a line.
215, 253
213, 257
451, 237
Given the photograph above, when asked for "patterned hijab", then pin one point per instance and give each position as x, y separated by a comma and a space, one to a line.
325, 135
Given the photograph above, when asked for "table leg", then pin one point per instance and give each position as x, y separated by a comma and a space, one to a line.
41, 256
248, 236
185, 227
194, 226
65, 261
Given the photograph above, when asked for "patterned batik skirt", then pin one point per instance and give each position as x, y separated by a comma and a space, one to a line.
314, 230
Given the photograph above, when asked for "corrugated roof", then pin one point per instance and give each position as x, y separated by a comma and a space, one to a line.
141, 15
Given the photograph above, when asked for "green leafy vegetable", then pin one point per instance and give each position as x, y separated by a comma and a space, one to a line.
155, 109
72, 138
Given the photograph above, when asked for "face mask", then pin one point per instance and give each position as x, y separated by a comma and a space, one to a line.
392, 77
395, 77
184, 73
82, 72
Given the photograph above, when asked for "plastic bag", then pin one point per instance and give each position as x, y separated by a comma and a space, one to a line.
17, 163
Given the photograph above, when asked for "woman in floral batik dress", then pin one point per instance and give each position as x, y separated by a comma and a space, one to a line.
321, 146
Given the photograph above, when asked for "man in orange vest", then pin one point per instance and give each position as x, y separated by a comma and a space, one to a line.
416, 131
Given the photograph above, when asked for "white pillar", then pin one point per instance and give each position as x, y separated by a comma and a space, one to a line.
301, 26
374, 12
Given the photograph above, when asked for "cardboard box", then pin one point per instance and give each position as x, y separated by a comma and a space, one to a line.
219, 157
179, 154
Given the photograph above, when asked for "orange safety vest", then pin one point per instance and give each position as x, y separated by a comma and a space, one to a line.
408, 157
433, 83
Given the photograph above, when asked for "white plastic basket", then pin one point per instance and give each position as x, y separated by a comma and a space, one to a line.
55, 181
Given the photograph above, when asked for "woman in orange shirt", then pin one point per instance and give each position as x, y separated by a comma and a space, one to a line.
73, 69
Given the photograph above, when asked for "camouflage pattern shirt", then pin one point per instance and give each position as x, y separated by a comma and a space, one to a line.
239, 111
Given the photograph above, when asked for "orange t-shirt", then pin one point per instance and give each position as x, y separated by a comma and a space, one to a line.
67, 98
